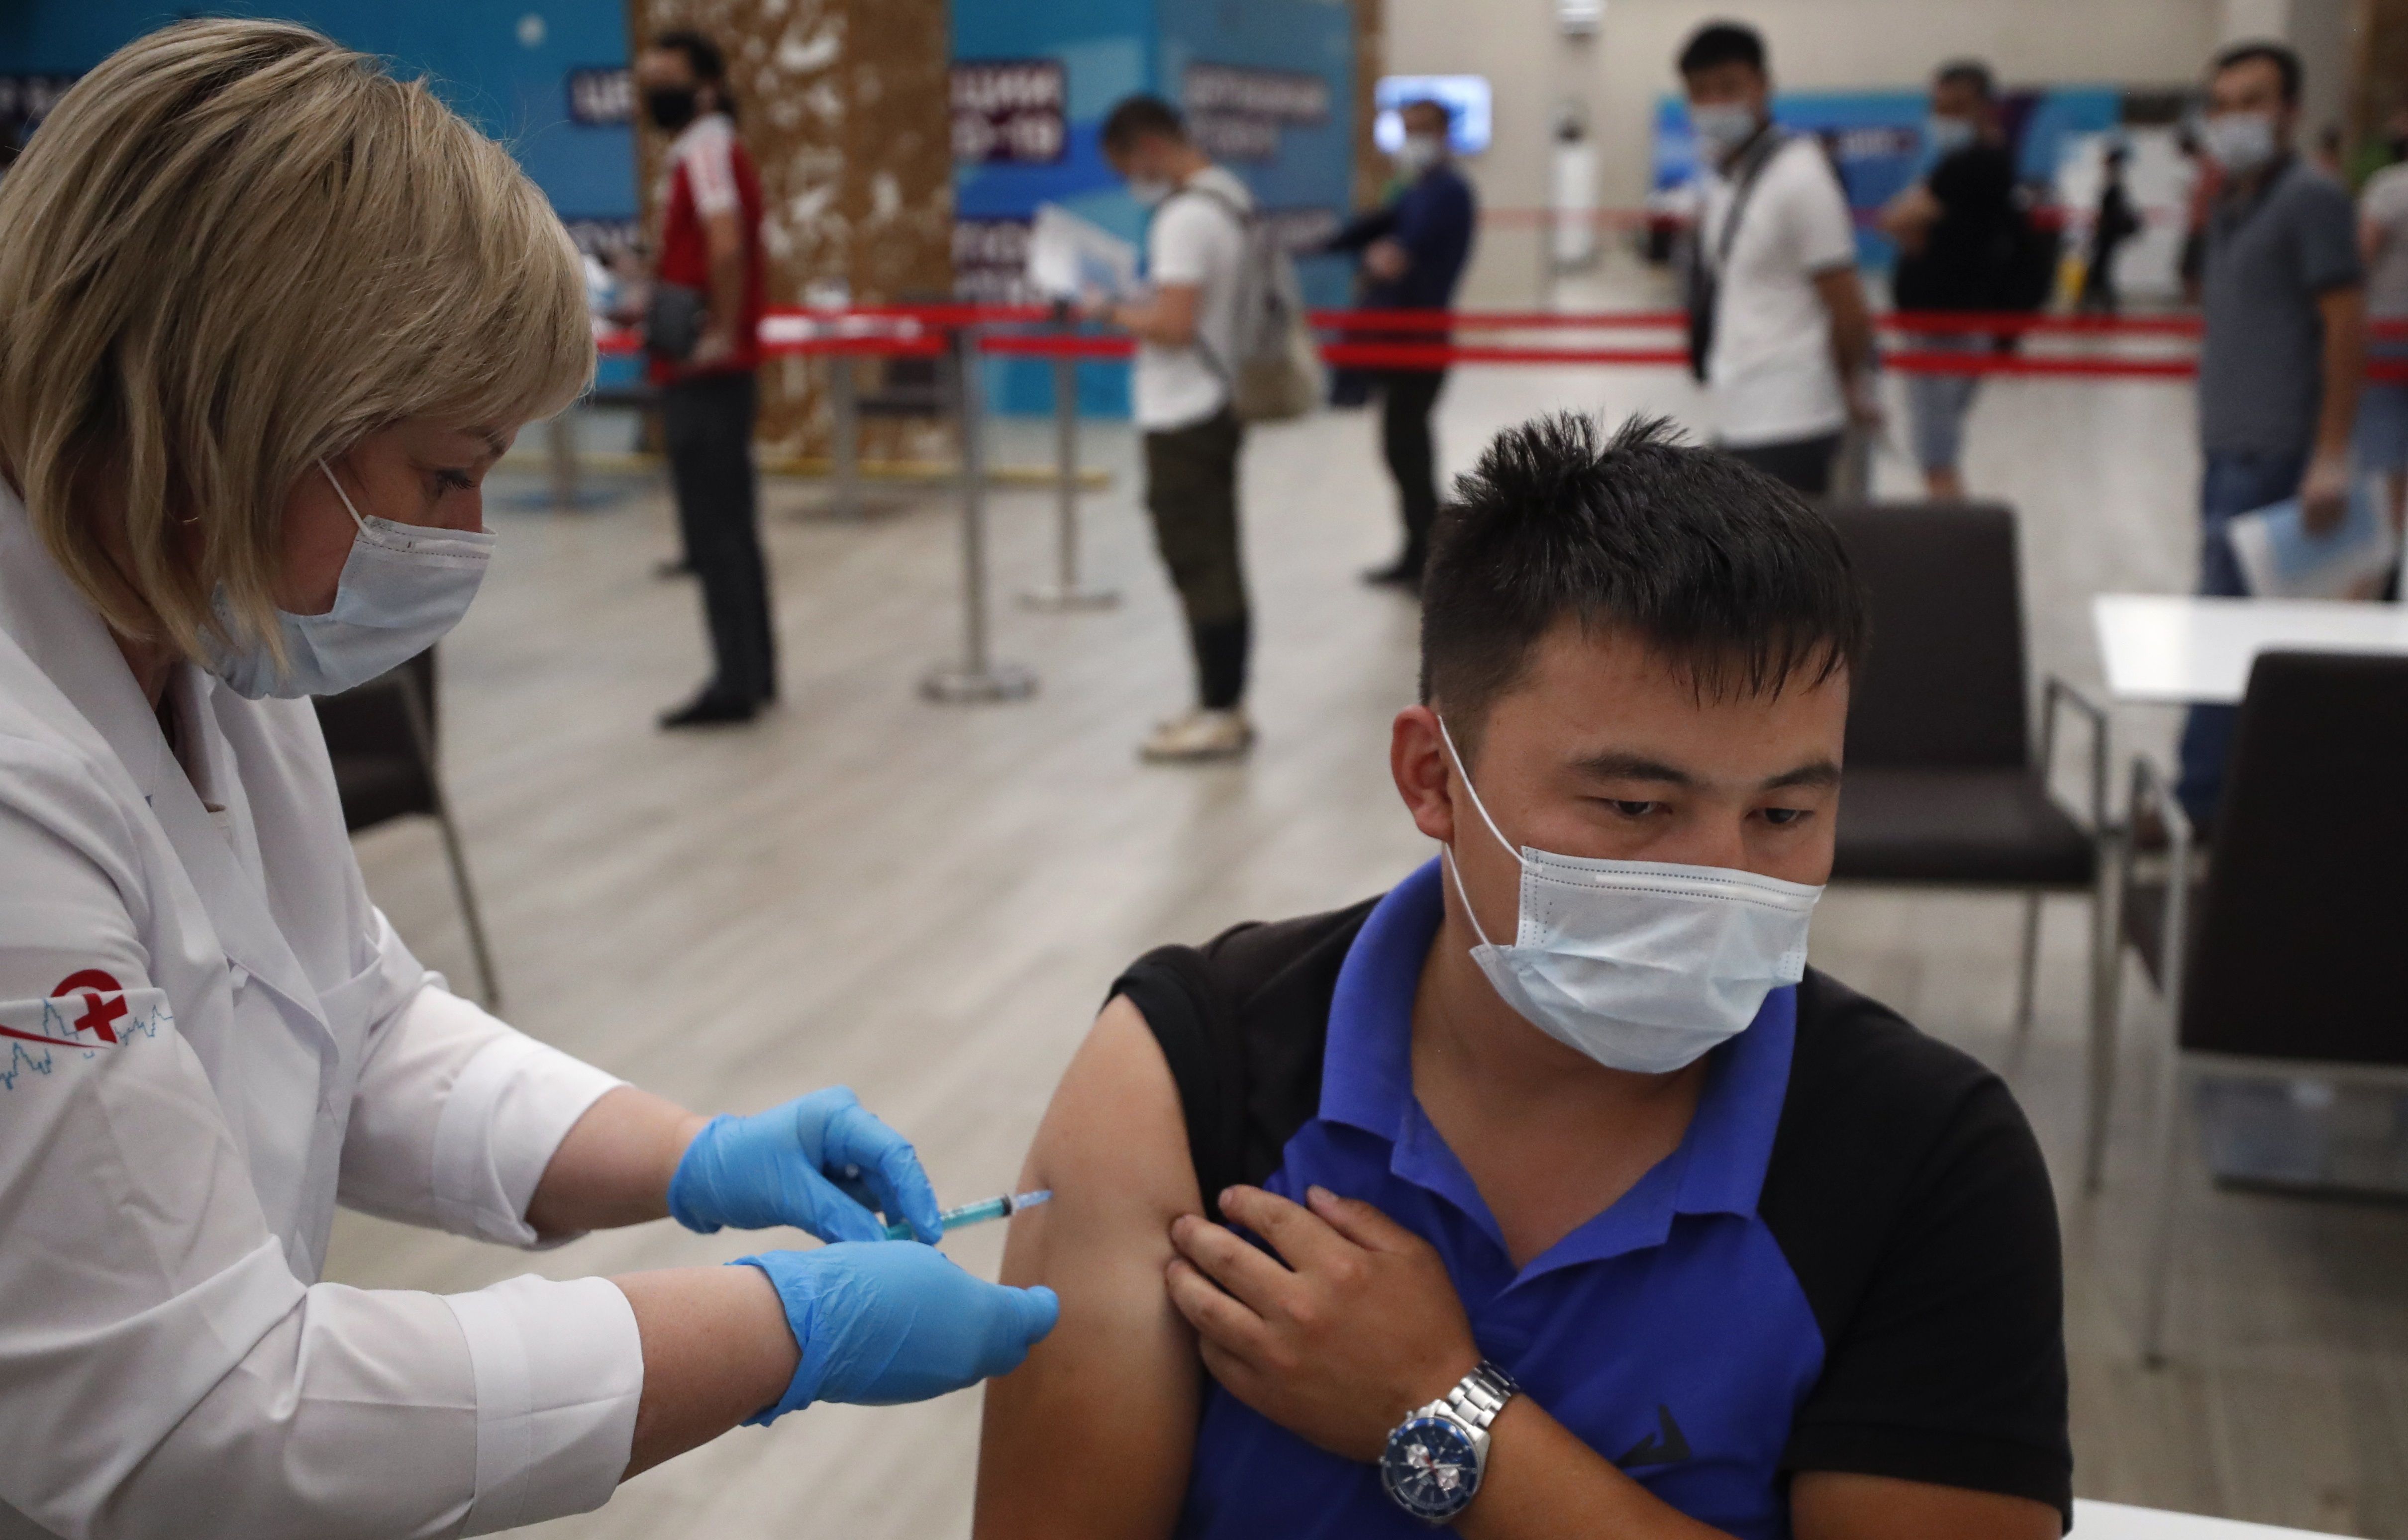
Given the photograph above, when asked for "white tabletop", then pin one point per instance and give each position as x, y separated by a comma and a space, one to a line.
2178, 649
2114, 1522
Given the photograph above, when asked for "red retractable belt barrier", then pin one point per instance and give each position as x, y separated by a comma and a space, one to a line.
1386, 340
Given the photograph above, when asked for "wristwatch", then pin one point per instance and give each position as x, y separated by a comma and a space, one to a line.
1432, 1465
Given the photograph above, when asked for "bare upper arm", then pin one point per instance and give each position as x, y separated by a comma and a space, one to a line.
1840, 1506
723, 235
1092, 1436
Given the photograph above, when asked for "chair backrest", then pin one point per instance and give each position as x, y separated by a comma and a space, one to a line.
383, 761
2305, 915
1943, 684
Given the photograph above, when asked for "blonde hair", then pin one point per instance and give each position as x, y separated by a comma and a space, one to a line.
231, 250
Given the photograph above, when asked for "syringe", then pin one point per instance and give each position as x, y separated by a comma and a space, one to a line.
976, 1213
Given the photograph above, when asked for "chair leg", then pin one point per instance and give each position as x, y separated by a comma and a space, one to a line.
2170, 1081
2106, 1015
2027, 969
469, 914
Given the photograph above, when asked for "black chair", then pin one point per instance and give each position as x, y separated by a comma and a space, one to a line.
2280, 956
1944, 783
380, 736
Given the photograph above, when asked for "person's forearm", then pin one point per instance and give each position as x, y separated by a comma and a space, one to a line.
717, 1350
613, 1167
1542, 1483
728, 275
2345, 370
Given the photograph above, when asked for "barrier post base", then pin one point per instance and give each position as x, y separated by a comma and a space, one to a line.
956, 684
1057, 598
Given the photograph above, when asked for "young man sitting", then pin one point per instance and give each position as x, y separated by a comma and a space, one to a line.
1555, 1195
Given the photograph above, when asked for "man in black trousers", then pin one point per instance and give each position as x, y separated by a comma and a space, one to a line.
705, 340
1414, 251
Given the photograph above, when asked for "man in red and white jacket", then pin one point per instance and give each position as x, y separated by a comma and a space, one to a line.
710, 245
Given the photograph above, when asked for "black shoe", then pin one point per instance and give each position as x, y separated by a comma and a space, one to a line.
710, 710
1400, 573
676, 566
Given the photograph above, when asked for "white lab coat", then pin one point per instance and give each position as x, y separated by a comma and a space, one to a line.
210, 1037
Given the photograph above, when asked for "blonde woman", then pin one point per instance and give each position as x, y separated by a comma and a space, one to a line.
267, 316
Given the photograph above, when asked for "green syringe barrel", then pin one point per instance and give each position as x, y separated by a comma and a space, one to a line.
976, 1213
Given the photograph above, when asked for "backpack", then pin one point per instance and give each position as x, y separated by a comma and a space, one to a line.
1276, 372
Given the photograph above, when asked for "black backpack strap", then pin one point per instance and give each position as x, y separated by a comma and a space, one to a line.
1241, 1022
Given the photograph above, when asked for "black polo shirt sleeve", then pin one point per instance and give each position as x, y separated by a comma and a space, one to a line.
1911, 1200
2327, 232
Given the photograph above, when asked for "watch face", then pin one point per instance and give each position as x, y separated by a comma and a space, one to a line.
1430, 1467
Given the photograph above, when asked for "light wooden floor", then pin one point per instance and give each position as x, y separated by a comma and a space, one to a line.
926, 903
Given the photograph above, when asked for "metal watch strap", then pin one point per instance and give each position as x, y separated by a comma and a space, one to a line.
1480, 1396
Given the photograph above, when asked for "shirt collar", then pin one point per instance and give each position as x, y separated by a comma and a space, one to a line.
1366, 1083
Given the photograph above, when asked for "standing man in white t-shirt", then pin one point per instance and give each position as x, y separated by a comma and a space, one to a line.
1778, 326
1186, 337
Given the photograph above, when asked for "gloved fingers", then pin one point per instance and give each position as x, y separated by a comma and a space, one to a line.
829, 1213
848, 1182
889, 1166
1040, 1310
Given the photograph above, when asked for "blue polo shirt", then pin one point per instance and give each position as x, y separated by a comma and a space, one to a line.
1671, 1331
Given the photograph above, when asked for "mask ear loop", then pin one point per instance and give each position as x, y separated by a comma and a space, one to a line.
329, 473
1446, 853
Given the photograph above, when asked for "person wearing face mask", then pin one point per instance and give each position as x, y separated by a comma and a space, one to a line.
1955, 227
1414, 250
267, 318
2283, 353
1186, 331
1778, 329
705, 348
1553, 1182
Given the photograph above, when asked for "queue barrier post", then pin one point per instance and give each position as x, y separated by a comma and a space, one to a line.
976, 677
844, 413
1067, 592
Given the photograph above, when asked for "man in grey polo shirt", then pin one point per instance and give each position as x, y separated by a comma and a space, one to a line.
2284, 308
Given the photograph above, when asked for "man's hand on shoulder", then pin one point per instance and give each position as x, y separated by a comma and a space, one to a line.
1350, 1326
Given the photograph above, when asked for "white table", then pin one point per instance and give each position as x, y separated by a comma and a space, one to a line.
2182, 649
2114, 1522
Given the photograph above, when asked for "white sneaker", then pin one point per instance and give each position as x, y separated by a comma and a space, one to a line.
1198, 736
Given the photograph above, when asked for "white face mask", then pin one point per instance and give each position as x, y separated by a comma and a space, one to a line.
402, 588
1419, 153
1721, 129
1946, 135
1642, 966
1149, 191
2241, 141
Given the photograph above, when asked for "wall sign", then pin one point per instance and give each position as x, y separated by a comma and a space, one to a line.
1235, 113
602, 95
1011, 111
25, 100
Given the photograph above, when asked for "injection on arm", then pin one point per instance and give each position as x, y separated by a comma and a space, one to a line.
976, 1213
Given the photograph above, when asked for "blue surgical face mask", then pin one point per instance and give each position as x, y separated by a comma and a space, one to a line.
1149, 191
402, 588
1642, 966
1946, 135
2242, 142
1722, 128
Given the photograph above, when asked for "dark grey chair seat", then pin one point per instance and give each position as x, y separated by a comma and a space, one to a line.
1978, 825
381, 740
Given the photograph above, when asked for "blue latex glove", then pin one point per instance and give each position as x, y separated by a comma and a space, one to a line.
896, 1321
820, 1163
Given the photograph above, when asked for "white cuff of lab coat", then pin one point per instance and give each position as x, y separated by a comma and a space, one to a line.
559, 1368
508, 1111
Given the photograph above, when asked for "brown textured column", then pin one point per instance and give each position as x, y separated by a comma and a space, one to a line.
2378, 66
843, 104
1371, 61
